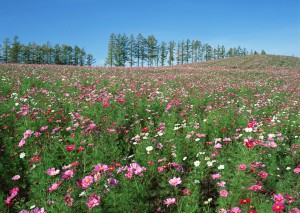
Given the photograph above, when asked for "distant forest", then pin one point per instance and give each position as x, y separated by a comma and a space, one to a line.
15, 52
147, 51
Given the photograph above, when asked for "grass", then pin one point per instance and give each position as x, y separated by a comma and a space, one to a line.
117, 137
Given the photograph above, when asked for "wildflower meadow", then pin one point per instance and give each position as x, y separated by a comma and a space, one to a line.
219, 136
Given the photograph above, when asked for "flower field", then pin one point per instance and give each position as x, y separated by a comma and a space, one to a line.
202, 137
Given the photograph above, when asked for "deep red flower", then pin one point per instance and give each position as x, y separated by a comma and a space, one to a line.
250, 144
245, 201
70, 148
35, 159
145, 129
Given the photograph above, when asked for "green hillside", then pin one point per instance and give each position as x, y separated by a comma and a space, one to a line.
261, 62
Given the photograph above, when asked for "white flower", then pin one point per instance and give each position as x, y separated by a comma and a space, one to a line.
288, 168
149, 148
209, 163
248, 129
196, 181
197, 163
22, 155
184, 158
221, 167
32, 207
197, 139
82, 194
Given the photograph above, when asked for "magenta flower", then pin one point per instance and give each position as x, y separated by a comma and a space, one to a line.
242, 167
175, 181
254, 188
128, 175
297, 170
86, 181
68, 200
263, 175
170, 201
223, 193
278, 207
112, 181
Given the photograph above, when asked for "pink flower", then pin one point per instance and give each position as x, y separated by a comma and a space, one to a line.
263, 175
86, 181
52, 172
100, 168
54, 187
222, 211
67, 175
175, 181
22, 142
93, 201
235, 210
278, 198
128, 175
223, 193
297, 170
16, 177
216, 176
68, 200
242, 167
170, 201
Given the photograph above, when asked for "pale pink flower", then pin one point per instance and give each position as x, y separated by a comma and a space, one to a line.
223, 193
54, 187
235, 210
218, 146
67, 175
170, 201
16, 177
175, 181
221, 184
52, 172
216, 176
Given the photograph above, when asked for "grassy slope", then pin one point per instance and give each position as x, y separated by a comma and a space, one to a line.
260, 62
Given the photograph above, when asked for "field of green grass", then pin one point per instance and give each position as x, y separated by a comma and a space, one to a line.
217, 136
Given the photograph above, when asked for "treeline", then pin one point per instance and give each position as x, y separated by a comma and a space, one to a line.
147, 51
15, 52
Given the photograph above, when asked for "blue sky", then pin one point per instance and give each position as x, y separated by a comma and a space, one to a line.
272, 25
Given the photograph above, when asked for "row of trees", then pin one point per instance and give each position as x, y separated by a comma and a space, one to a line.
15, 52
147, 51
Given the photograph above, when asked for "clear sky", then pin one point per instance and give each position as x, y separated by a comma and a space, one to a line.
272, 25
